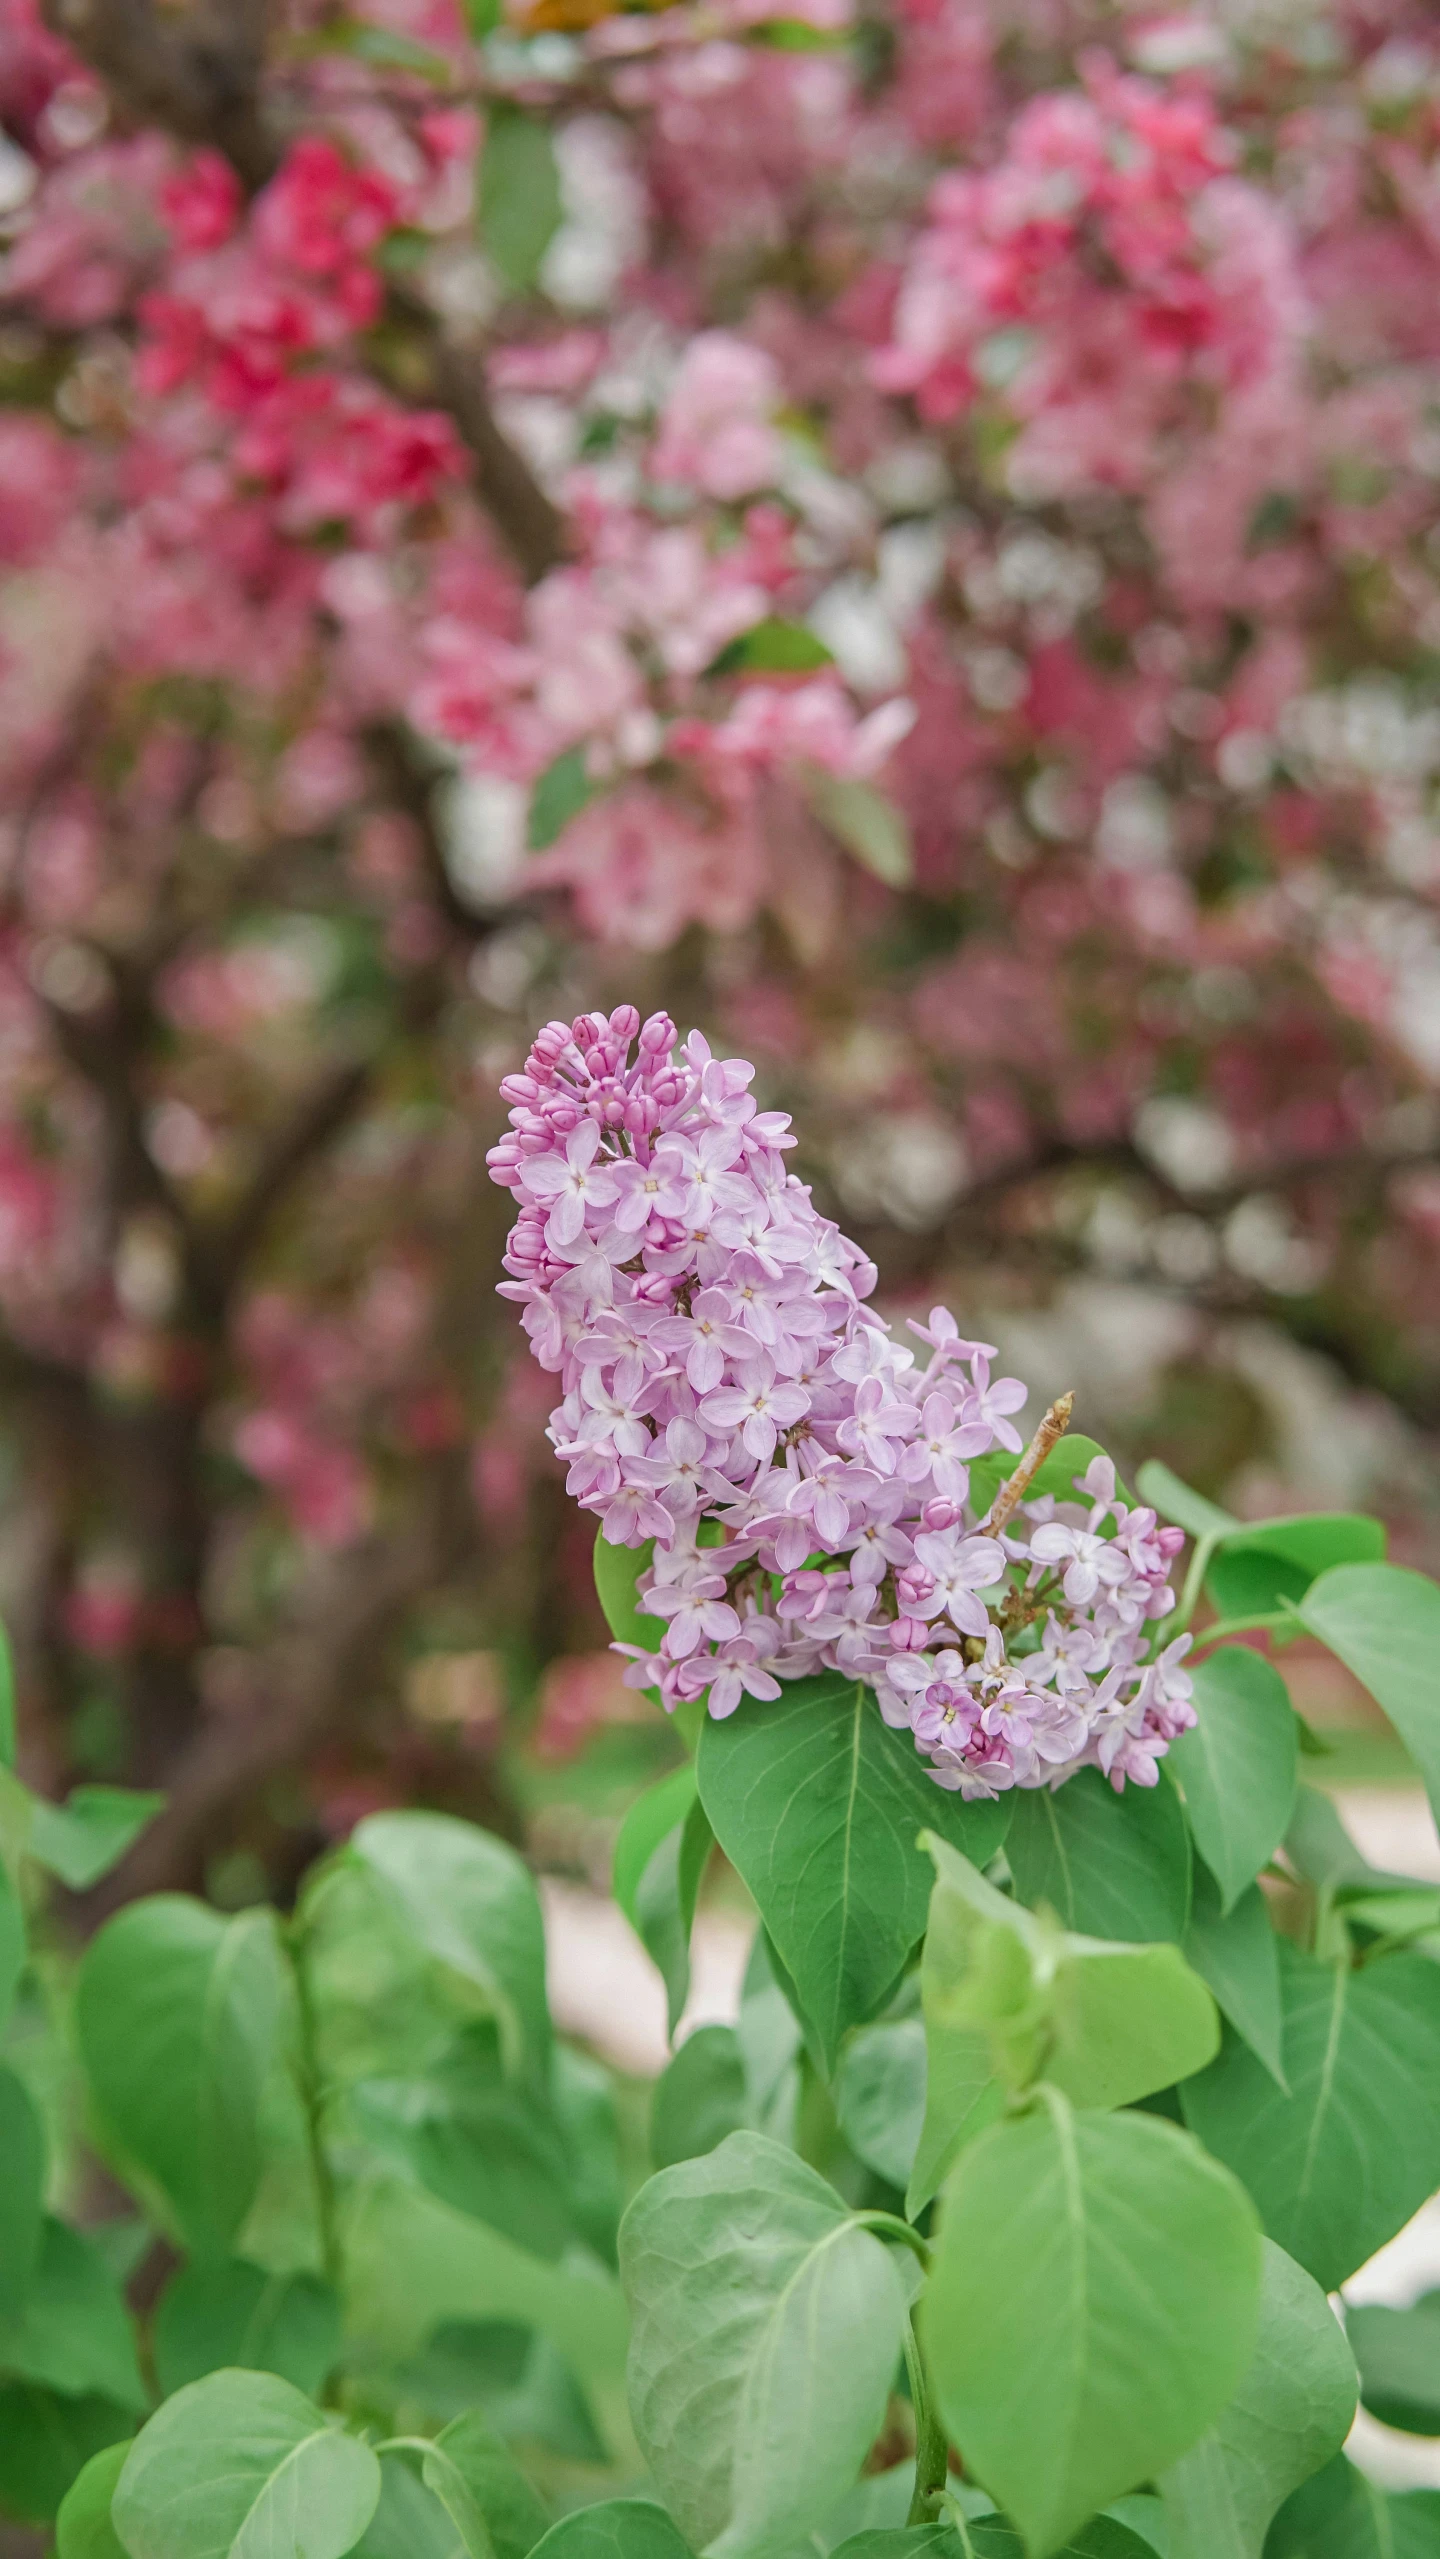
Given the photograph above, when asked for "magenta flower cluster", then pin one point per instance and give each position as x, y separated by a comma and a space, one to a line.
805, 1477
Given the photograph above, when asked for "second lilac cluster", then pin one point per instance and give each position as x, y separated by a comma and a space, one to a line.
805, 1477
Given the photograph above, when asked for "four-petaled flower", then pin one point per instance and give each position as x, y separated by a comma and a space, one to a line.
574, 1182
760, 1406
944, 1444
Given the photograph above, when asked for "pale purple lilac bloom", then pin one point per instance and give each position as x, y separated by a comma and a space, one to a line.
719, 1366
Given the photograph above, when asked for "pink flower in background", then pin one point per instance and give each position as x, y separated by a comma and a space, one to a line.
324, 214
40, 478
716, 430
580, 1694
1106, 263
643, 864
202, 201
323, 1483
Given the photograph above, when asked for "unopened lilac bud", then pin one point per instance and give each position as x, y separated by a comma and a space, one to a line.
504, 1160
548, 1048
527, 1245
909, 1635
657, 1036
624, 1023
940, 1514
915, 1586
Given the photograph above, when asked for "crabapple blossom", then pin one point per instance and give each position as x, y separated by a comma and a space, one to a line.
715, 429
739, 1386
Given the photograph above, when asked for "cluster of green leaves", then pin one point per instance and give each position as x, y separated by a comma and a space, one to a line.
372, 2223
1141, 2114
1001, 2223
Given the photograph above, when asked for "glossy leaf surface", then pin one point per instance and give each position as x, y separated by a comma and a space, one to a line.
1398, 2355
1384, 1623
621, 2529
177, 2013
469, 1901
22, 2188
81, 1839
1108, 1865
72, 2332
1234, 1953
1340, 2514
233, 2313
83, 2527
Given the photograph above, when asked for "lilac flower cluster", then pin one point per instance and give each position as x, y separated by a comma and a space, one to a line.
729, 1394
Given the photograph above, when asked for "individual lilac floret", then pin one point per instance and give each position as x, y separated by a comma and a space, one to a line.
727, 1393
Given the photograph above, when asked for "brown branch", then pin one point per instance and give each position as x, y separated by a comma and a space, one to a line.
220, 1255
196, 70
410, 785
106, 1049
1120, 1156
1053, 1427
530, 524
199, 72
296, 1688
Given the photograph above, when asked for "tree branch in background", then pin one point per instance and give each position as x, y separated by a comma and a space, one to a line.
221, 1253
196, 70
107, 1050
1122, 1158
199, 72
530, 522
295, 1688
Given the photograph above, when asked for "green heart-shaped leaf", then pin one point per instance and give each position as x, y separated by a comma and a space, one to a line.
1092, 2308
1340, 2163
819, 1807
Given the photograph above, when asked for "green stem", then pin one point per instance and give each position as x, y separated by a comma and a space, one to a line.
312, 2098
932, 2458
1270, 1620
888, 2225
1194, 1583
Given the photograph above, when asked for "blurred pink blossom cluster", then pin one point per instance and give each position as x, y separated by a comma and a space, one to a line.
314, 1379
627, 659
249, 303
722, 1370
1105, 266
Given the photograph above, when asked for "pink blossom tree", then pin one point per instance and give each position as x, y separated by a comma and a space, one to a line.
919, 523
